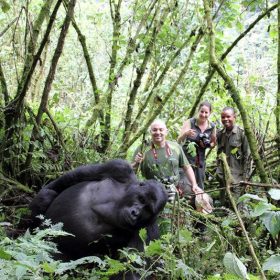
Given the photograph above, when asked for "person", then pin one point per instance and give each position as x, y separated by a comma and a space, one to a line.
198, 134
232, 141
162, 159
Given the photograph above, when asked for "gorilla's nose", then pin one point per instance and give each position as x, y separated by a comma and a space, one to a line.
135, 213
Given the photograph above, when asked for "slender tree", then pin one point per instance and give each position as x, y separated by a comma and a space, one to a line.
234, 93
49, 80
277, 110
13, 110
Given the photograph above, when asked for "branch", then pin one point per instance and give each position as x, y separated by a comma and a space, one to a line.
137, 82
4, 85
224, 55
277, 109
131, 44
8, 26
228, 180
106, 123
82, 40
162, 75
234, 93
266, 186
156, 111
49, 80
23, 87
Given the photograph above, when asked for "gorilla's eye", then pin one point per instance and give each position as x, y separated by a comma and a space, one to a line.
141, 199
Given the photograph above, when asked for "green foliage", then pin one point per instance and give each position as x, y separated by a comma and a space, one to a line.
267, 212
29, 255
235, 266
4, 6
272, 264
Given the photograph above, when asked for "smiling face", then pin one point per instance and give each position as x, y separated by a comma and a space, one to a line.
158, 133
228, 119
204, 113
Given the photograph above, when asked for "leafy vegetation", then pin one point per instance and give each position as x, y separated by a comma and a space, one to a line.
81, 81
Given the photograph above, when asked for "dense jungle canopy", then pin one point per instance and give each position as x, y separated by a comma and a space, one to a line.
81, 81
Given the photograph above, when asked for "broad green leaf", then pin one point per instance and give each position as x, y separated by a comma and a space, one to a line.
115, 266
271, 220
235, 266
186, 271
261, 208
185, 236
63, 267
192, 148
272, 263
274, 193
248, 196
143, 234
154, 248
234, 151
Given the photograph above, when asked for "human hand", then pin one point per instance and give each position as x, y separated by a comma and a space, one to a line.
197, 190
139, 158
190, 133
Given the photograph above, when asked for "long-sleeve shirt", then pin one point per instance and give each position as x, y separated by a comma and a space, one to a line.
235, 145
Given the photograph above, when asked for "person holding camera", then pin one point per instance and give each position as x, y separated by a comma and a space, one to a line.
198, 134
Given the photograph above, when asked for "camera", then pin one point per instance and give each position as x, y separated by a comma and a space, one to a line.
204, 138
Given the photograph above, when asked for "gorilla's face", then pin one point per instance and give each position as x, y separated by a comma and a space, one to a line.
141, 204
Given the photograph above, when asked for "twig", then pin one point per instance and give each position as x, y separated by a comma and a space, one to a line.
228, 180
8, 26
276, 186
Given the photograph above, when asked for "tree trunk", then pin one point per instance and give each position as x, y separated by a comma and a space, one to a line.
49, 80
228, 179
13, 111
277, 111
212, 71
4, 88
154, 112
233, 91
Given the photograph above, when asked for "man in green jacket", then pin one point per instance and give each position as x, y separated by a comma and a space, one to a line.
232, 141
162, 159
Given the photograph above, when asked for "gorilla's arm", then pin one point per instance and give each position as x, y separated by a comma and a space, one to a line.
117, 169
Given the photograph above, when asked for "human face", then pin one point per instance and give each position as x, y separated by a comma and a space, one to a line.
158, 132
204, 113
228, 119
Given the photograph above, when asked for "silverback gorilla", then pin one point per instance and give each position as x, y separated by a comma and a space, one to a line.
103, 206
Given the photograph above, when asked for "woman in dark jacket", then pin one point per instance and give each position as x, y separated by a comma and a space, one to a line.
198, 134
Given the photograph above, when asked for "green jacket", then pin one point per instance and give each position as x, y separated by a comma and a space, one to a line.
160, 165
236, 148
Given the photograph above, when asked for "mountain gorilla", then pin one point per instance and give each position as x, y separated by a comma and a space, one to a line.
117, 169
104, 211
